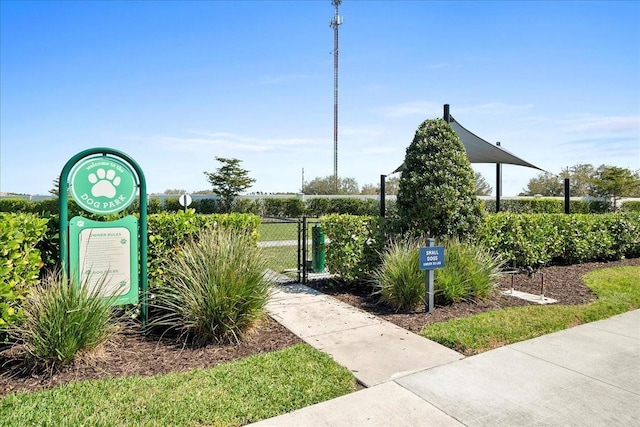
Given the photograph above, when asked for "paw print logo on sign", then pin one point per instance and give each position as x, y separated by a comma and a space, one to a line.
104, 183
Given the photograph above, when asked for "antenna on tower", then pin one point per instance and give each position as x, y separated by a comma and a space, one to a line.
334, 23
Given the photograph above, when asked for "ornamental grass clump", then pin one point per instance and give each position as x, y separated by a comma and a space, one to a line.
62, 319
398, 280
215, 289
470, 272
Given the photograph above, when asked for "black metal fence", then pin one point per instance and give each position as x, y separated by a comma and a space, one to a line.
287, 245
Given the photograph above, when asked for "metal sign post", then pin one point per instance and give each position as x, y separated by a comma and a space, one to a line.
431, 257
104, 181
184, 200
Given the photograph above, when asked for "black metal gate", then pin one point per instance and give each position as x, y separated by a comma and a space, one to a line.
289, 259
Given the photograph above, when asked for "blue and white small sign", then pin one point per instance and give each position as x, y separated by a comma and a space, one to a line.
431, 257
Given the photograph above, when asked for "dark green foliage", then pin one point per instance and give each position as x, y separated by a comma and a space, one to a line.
356, 242
246, 206
20, 262
615, 182
168, 232
291, 207
630, 206
214, 289
470, 272
437, 195
317, 206
538, 239
206, 206
62, 318
329, 186
228, 181
398, 280
546, 205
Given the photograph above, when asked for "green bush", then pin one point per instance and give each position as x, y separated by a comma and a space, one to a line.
62, 319
355, 244
167, 232
589, 206
470, 272
546, 205
521, 239
624, 230
583, 238
290, 208
436, 195
630, 206
245, 206
318, 206
215, 289
538, 239
398, 281
15, 205
20, 262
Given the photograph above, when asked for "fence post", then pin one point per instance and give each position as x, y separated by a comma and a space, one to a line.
567, 196
383, 195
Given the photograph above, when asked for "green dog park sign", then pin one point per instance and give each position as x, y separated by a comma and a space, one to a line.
105, 256
103, 185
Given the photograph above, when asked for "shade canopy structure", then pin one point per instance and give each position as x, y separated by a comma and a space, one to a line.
478, 150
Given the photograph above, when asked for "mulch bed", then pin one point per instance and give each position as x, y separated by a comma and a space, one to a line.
133, 354
562, 283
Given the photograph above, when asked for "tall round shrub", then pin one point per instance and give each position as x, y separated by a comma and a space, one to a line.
436, 195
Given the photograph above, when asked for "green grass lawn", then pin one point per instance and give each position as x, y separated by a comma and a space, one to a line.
279, 258
275, 231
232, 394
618, 291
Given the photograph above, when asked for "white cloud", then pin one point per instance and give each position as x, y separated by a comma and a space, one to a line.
226, 140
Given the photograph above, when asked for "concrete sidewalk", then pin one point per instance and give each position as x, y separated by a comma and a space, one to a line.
375, 351
588, 375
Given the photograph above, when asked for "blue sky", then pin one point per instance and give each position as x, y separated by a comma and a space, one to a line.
175, 84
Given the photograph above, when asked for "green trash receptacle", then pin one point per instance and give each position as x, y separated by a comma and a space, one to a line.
317, 249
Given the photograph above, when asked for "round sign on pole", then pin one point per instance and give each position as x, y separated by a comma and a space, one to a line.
102, 185
184, 200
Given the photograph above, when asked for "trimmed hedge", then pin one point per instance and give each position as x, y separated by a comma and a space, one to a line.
20, 261
521, 240
546, 205
355, 244
294, 207
630, 206
539, 239
291, 207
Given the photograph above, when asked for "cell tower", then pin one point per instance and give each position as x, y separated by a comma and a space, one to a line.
334, 23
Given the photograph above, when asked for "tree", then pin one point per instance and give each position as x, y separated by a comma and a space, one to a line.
56, 187
370, 189
613, 182
436, 195
580, 179
544, 184
174, 191
326, 185
228, 181
390, 187
482, 186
